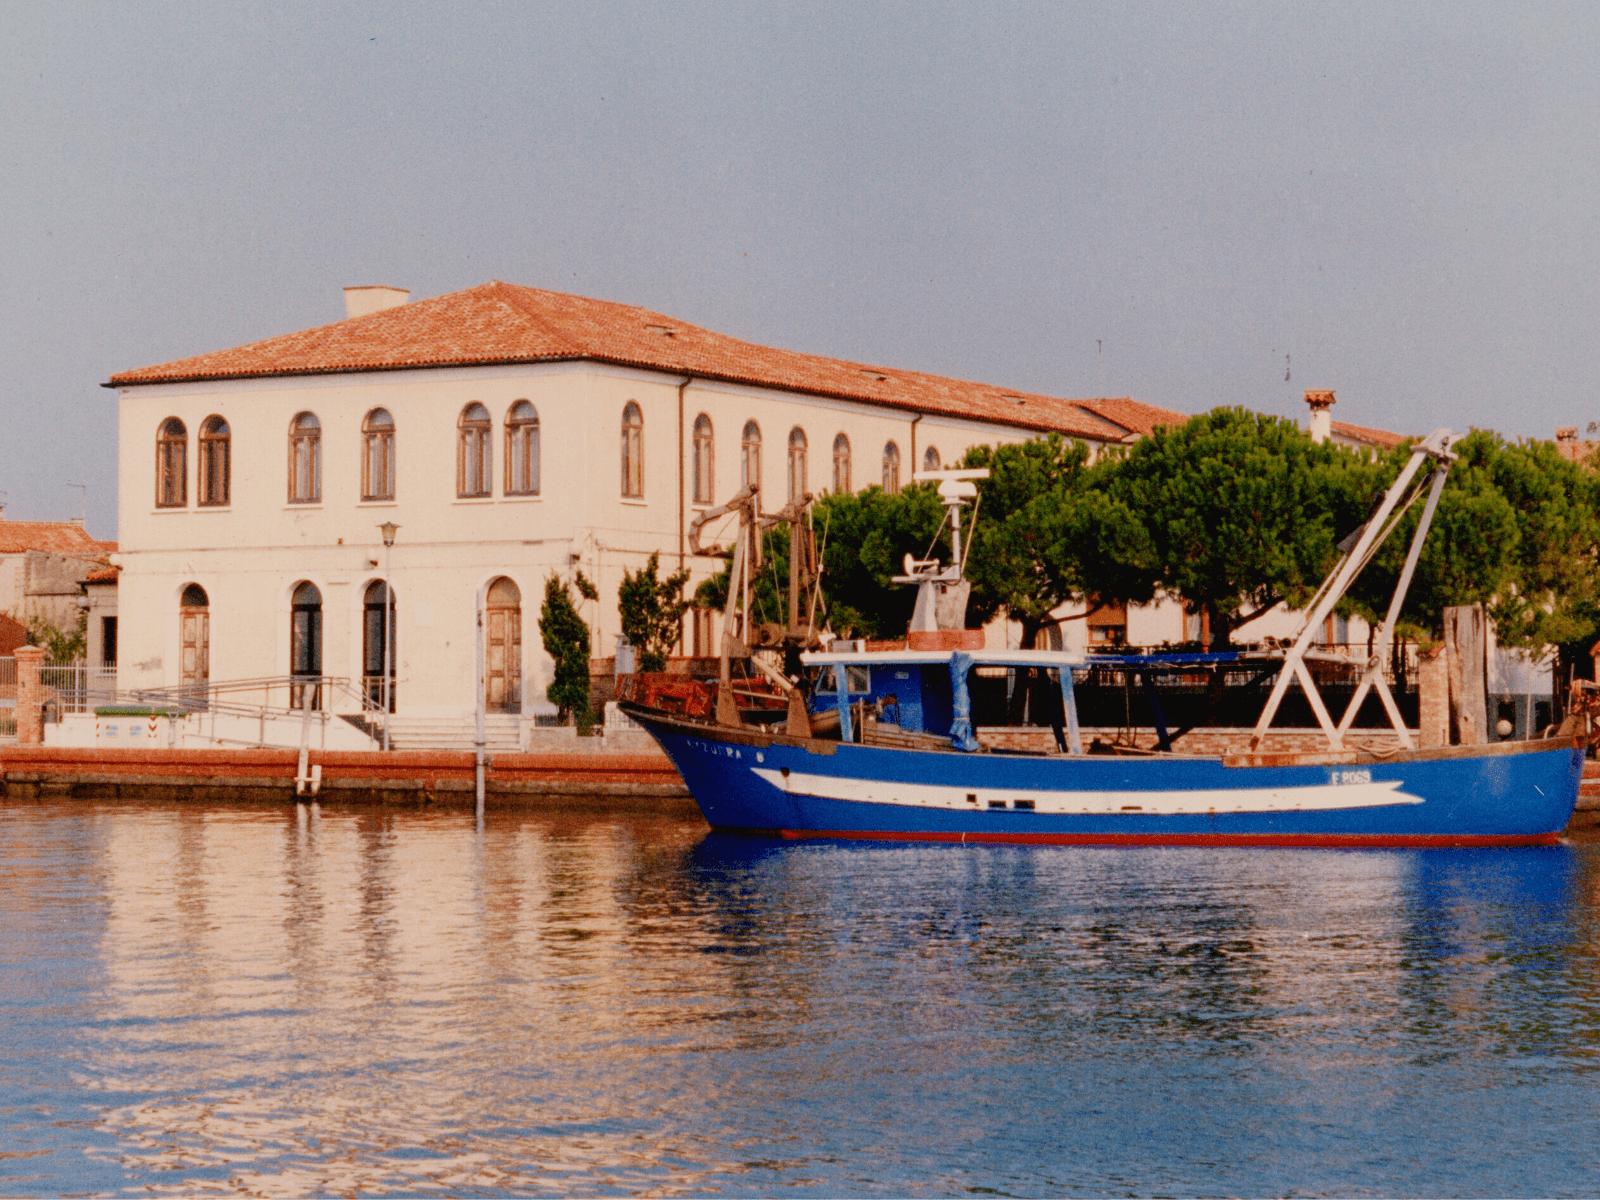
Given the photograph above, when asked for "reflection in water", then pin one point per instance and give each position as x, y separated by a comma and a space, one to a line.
302, 1001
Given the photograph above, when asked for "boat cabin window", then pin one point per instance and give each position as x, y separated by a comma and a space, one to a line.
860, 680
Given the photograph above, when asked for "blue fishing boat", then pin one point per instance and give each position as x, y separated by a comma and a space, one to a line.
878, 743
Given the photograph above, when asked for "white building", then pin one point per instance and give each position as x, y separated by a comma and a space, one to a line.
510, 433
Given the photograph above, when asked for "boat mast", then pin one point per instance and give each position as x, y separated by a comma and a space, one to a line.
956, 488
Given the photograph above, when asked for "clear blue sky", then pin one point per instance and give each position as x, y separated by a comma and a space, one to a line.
1394, 201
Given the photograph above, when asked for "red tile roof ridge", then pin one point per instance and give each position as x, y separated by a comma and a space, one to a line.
498, 322
102, 575
51, 537
1364, 433
1133, 415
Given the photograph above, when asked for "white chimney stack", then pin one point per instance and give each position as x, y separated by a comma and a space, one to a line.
1321, 417
359, 301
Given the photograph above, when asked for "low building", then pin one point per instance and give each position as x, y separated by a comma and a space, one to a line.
41, 563
509, 434
99, 587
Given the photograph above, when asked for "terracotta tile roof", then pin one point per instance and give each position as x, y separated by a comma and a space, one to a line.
1132, 415
504, 323
1381, 438
51, 537
102, 575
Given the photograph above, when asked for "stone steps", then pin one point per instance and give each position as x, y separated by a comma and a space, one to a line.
501, 732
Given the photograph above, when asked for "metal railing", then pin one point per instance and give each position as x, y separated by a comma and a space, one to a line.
312, 699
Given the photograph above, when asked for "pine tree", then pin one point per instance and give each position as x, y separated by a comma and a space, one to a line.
566, 639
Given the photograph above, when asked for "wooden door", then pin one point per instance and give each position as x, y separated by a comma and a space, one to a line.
502, 658
196, 646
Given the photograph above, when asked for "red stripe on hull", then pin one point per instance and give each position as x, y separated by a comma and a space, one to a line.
1328, 840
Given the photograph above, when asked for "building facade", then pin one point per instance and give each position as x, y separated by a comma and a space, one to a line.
510, 434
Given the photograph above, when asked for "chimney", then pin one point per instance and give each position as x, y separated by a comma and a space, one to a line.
1321, 418
1567, 433
359, 301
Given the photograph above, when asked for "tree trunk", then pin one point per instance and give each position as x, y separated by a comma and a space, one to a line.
1221, 627
1016, 709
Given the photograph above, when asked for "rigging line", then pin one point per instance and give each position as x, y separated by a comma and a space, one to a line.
816, 590
1394, 522
1394, 519
942, 523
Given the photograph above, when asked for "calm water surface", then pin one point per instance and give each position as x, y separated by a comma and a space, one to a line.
279, 1002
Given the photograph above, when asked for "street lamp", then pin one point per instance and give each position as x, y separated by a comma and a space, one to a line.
388, 530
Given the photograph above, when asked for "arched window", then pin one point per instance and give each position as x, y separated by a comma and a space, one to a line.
797, 464
377, 628
931, 460
891, 468
215, 446
305, 459
522, 450
172, 464
632, 451
377, 456
841, 464
472, 452
502, 647
305, 642
704, 476
750, 455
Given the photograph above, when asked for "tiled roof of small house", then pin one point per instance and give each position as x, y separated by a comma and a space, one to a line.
505, 323
51, 537
102, 575
1381, 438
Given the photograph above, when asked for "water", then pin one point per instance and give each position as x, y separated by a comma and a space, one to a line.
278, 1002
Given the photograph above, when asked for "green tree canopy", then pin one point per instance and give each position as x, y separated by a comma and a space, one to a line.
867, 536
1516, 531
1040, 532
566, 639
652, 611
1238, 511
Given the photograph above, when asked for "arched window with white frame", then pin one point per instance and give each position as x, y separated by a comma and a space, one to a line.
473, 454
841, 465
216, 444
931, 460
633, 452
377, 456
305, 459
797, 464
891, 468
750, 455
172, 464
704, 465
522, 450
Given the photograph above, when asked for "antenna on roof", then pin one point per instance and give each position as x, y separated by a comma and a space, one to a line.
84, 488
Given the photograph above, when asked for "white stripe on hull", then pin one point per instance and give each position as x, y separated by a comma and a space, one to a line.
1349, 789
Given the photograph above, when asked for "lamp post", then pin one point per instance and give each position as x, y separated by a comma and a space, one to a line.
388, 529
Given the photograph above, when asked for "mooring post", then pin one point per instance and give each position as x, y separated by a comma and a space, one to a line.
30, 696
478, 739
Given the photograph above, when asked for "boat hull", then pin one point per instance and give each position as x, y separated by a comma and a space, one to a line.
1497, 795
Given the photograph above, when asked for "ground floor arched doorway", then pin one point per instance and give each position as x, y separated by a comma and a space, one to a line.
502, 647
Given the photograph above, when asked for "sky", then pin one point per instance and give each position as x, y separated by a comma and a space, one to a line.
1196, 205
